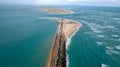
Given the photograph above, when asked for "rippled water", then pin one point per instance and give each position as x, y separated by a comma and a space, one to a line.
25, 39
97, 44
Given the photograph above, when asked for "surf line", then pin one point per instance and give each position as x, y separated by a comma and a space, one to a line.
66, 29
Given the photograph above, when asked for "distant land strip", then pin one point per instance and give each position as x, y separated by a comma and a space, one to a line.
57, 11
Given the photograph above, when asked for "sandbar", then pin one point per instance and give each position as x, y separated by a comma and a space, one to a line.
66, 28
57, 11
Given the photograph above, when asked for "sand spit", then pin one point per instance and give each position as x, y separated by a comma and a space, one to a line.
57, 11
66, 28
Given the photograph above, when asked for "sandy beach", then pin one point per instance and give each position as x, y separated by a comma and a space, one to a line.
69, 27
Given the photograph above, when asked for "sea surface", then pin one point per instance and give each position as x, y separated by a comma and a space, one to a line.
26, 38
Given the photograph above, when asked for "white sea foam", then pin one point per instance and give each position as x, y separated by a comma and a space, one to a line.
94, 27
99, 43
107, 52
108, 27
110, 48
50, 18
68, 42
67, 45
56, 18
90, 33
103, 65
67, 60
100, 35
69, 39
114, 52
118, 47
115, 35
71, 12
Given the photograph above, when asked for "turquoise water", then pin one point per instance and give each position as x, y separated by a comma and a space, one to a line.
97, 43
26, 39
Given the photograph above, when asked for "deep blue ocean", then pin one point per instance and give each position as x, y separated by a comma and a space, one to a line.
26, 39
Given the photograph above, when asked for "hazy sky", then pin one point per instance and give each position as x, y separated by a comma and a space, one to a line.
66, 2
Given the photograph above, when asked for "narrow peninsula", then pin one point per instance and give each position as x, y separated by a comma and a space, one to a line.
66, 28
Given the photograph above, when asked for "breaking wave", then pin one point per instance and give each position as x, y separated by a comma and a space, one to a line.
99, 43
67, 45
103, 65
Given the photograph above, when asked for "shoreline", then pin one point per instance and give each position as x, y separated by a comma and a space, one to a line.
67, 26
67, 45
